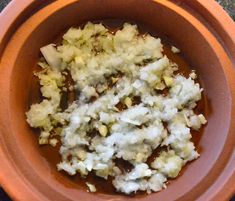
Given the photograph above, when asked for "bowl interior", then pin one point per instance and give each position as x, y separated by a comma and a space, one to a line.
158, 18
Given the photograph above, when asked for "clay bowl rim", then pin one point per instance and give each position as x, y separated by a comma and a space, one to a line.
231, 182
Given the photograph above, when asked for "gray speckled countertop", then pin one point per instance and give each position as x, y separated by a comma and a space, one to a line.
229, 6
3, 3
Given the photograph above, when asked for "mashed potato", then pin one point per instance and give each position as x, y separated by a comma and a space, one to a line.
109, 70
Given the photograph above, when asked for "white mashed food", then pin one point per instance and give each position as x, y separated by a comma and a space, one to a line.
109, 69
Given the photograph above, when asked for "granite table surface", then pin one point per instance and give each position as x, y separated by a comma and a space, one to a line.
229, 7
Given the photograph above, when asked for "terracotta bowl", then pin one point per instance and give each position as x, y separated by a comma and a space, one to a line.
201, 29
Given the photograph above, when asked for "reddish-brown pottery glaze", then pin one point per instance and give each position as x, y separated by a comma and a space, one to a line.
200, 28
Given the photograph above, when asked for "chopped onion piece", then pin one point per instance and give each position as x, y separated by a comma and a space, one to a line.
51, 55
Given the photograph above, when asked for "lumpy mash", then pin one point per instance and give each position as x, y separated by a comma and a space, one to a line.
110, 71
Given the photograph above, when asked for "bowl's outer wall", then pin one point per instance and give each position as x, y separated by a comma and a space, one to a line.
212, 16
205, 54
